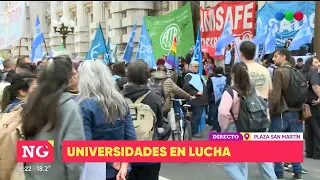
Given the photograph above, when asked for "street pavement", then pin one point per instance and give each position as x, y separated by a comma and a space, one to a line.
212, 171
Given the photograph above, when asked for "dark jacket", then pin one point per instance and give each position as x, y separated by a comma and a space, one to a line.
188, 58
97, 127
277, 102
199, 100
121, 82
133, 92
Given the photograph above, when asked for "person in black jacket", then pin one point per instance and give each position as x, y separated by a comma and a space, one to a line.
189, 56
201, 100
138, 75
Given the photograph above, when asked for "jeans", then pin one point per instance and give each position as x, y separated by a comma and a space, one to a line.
213, 116
239, 171
195, 120
286, 122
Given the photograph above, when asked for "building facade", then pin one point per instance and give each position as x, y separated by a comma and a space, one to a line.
116, 18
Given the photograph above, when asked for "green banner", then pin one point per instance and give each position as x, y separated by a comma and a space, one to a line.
162, 30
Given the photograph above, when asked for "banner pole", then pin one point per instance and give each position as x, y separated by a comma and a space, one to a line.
19, 47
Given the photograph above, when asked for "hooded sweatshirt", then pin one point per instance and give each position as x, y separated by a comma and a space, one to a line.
70, 128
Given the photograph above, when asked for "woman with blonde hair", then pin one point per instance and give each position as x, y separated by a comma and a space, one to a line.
105, 113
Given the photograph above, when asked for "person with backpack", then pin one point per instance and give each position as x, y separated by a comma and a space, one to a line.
138, 92
312, 125
286, 101
216, 85
170, 89
105, 112
51, 113
15, 94
194, 84
234, 116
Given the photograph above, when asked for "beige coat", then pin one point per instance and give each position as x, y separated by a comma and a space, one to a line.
170, 90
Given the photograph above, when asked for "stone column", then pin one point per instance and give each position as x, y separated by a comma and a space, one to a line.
98, 13
81, 32
55, 38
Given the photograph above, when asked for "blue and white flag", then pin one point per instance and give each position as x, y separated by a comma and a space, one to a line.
197, 53
270, 45
145, 50
225, 38
36, 51
98, 45
107, 58
127, 55
304, 36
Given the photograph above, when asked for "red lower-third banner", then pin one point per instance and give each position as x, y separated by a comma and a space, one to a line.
182, 151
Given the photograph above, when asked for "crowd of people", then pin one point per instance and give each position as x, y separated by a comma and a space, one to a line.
66, 100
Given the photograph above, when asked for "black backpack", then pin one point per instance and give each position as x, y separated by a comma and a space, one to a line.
297, 91
253, 115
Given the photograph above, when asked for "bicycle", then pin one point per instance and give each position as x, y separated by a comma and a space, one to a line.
182, 131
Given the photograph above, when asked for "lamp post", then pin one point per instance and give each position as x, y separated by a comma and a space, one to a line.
63, 26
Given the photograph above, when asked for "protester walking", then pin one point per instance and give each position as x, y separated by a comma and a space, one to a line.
285, 103
138, 75
105, 113
51, 114
229, 113
194, 84
216, 85
259, 75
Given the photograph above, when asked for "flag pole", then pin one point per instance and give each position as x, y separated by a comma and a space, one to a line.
45, 45
19, 47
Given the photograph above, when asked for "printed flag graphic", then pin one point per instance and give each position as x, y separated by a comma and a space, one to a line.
98, 45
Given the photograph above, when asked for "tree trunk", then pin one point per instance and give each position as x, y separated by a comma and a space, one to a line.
316, 42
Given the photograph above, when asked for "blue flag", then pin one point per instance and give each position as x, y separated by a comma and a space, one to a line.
304, 36
98, 45
36, 51
127, 55
197, 53
260, 38
145, 50
270, 44
225, 38
107, 56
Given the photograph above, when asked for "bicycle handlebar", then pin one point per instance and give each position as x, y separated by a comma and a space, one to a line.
173, 99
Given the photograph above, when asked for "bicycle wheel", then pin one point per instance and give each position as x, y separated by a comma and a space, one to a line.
187, 131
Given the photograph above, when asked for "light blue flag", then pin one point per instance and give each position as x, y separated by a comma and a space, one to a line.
260, 38
98, 45
36, 51
197, 53
270, 45
304, 36
225, 38
107, 58
145, 50
127, 55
